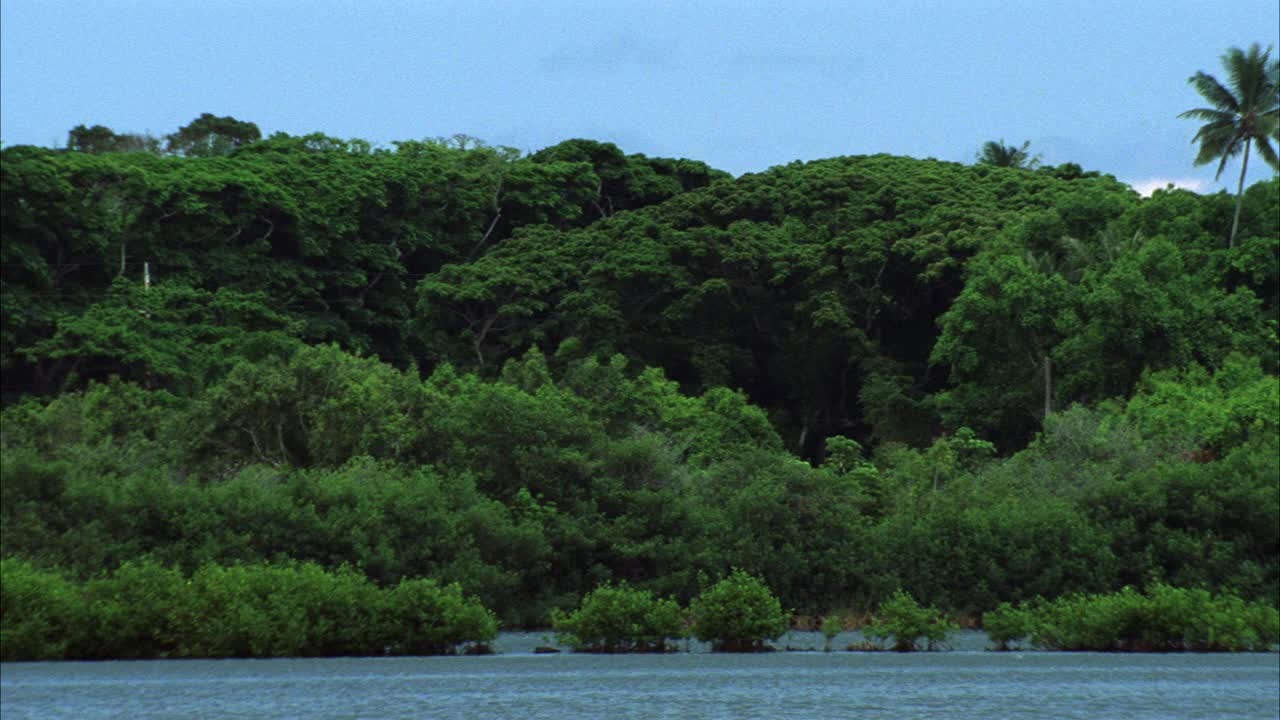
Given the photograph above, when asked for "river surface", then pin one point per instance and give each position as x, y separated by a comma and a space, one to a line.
966, 682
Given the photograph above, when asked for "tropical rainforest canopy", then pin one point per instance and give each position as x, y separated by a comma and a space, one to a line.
535, 374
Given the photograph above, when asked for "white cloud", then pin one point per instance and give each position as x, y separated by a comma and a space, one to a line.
1146, 187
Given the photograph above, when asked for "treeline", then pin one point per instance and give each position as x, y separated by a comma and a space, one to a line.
566, 471
143, 610
335, 234
737, 614
1162, 619
884, 299
532, 375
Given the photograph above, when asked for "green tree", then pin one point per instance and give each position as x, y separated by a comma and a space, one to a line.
129, 614
901, 618
169, 335
620, 619
996, 339
210, 135
435, 619
1006, 624
101, 139
995, 152
1246, 113
738, 614
41, 613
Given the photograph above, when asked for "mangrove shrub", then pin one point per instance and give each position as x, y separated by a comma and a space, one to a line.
738, 614
901, 619
615, 619
145, 610
1162, 619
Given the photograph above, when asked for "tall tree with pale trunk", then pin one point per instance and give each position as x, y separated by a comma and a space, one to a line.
1247, 113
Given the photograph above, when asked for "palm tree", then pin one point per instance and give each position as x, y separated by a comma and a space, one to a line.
1001, 155
1245, 114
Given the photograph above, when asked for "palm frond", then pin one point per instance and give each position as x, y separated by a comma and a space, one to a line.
1249, 75
1209, 87
1267, 152
1239, 70
1222, 147
1001, 155
1208, 114
1215, 132
1248, 111
1234, 149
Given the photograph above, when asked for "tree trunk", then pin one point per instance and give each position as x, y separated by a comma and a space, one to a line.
1048, 388
478, 343
1239, 195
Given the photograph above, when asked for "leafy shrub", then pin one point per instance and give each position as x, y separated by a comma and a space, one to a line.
1164, 619
903, 620
130, 613
1006, 624
620, 619
144, 610
738, 614
430, 619
40, 613
277, 611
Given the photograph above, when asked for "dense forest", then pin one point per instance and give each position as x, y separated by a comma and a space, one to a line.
533, 374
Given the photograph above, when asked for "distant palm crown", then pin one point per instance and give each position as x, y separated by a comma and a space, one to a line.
1247, 112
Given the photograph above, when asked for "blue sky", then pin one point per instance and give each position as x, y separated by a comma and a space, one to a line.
740, 85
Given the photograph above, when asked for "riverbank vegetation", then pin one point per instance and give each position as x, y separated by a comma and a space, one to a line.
526, 377
905, 624
144, 610
1162, 619
738, 614
620, 620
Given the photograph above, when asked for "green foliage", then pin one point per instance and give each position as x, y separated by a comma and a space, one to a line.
1163, 619
429, 619
814, 288
903, 621
568, 473
832, 375
738, 614
615, 619
781, 283
1194, 411
210, 135
631, 181
1007, 624
133, 613
809, 520
40, 613
1095, 324
1193, 523
265, 611
169, 336
1001, 155
322, 407
101, 139
333, 232
144, 610
970, 558
1248, 112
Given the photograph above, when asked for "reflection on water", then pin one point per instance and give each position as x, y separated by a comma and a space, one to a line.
966, 682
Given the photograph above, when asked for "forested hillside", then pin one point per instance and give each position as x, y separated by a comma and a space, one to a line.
532, 374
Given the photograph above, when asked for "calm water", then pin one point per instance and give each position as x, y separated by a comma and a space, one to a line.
964, 683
